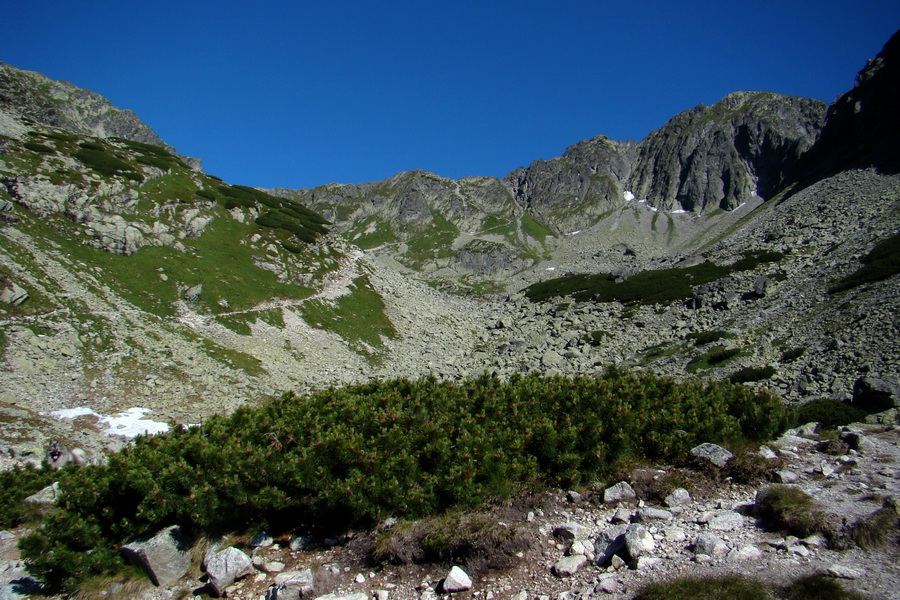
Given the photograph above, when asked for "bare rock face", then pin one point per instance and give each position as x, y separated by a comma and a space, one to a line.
572, 191
723, 155
862, 127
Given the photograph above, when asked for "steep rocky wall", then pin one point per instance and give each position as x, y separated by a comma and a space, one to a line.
720, 156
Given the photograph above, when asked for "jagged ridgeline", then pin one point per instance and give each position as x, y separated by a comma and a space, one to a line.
355, 455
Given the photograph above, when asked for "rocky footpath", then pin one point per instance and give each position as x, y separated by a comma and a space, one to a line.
602, 542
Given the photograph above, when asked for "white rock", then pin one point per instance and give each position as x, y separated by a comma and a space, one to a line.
457, 580
725, 521
638, 541
710, 545
845, 572
621, 492
678, 497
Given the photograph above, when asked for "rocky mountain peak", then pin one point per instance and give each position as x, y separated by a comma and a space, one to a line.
720, 156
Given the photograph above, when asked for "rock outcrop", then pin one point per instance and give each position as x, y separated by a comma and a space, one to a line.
862, 127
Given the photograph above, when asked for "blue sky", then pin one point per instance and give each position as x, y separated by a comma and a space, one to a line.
299, 94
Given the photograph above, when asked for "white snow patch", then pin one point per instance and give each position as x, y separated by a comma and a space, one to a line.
739, 207
127, 424
131, 423
574, 232
629, 195
551, 268
653, 208
74, 413
680, 211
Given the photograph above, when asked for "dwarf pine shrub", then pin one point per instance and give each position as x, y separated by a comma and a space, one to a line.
356, 455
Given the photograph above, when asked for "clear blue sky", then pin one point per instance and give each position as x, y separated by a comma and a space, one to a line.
299, 94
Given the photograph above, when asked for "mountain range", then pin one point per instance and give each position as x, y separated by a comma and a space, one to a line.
754, 239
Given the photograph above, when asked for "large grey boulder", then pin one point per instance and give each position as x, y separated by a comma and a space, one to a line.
48, 495
165, 557
13, 294
712, 453
621, 492
569, 565
292, 585
877, 392
226, 567
638, 541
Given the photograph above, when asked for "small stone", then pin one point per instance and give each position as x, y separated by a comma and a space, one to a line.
607, 586
638, 541
844, 572
712, 453
569, 532
569, 565
645, 563
622, 515
674, 534
653, 514
360, 578
678, 497
785, 476
457, 580
725, 521
745, 552
262, 540
767, 453
621, 492
710, 545
617, 563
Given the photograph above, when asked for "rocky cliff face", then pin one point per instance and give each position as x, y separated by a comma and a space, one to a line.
723, 155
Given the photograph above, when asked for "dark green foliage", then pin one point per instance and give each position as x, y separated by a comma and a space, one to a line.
792, 354
829, 413
100, 160
58, 136
707, 337
879, 264
793, 510
712, 358
730, 587
208, 194
287, 215
15, 486
474, 540
754, 258
648, 287
93, 146
359, 454
877, 529
38, 147
751, 374
741, 587
818, 587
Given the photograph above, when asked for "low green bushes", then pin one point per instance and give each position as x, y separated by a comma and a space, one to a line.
359, 454
741, 587
15, 486
829, 413
658, 286
793, 510
879, 264
747, 374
